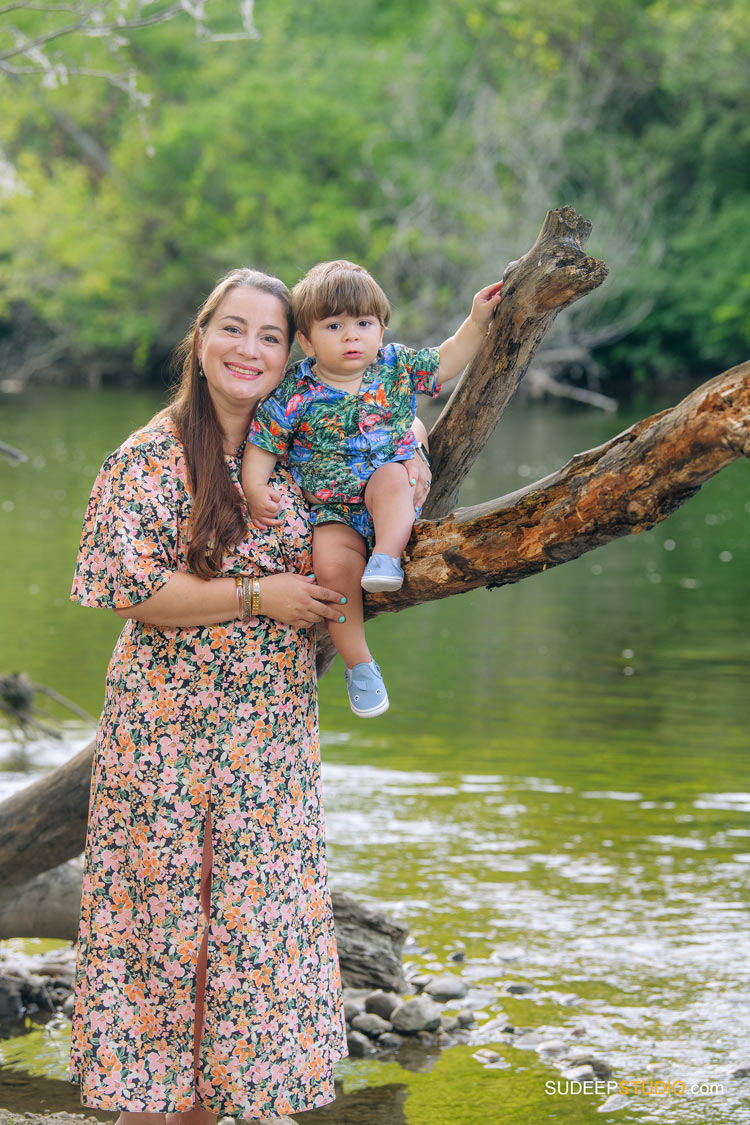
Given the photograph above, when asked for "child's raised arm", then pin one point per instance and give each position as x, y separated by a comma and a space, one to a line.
262, 500
460, 348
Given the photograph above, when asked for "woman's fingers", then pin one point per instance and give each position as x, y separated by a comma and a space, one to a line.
324, 594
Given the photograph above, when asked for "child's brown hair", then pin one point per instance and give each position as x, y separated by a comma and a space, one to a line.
336, 288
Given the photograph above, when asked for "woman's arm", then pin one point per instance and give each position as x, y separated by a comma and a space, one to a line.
185, 600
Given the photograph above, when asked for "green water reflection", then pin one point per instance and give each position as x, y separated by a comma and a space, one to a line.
560, 788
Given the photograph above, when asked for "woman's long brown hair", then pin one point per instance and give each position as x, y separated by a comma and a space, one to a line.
219, 519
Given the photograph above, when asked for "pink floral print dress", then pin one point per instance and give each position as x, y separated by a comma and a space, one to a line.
222, 717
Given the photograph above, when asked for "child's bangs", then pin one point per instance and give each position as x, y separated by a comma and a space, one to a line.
354, 294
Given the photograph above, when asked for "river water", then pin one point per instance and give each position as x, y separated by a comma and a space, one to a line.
560, 790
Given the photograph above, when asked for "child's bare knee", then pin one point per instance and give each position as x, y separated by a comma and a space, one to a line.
388, 479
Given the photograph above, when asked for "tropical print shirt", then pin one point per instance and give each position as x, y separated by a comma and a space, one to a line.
333, 440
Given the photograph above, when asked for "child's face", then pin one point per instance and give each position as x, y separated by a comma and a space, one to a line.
343, 346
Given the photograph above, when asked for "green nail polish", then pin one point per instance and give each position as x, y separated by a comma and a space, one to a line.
343, 601
342, 619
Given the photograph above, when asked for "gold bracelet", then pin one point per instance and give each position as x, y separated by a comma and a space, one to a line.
246, 598
238, 585
256, 597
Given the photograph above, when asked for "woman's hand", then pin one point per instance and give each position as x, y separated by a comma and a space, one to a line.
294, 599
420, 479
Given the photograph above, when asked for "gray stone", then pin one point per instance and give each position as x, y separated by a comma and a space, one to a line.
458, 956
370, 1024
579, 1074
614, 1101
446, 986
11, 1005
600, 1067
485, 1055
742, 1071
359, 1045
390, 1040
466, 1018
382, 1003
449, 1023
352, 1009
369, 945
419, 983
419, 1014
528, 1040
520, 989
552, 1047
262, 1120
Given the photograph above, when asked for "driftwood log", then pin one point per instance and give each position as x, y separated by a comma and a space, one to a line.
622, 487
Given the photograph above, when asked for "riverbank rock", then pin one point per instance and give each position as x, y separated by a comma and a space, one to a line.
370, 946
11, 1117
419, 1014
446, 986
600, 1067
34, 982
613, 1102
359, 1045
371, 1025
382, 1003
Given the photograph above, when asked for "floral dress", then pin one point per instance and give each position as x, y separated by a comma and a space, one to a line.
220, 718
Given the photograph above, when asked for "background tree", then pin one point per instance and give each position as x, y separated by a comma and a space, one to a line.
427, 148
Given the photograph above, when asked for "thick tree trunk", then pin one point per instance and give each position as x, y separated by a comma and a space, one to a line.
44, 824
553, 274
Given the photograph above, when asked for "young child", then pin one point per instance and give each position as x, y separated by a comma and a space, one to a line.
342, 418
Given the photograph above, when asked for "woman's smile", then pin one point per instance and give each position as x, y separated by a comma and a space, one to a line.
243, 372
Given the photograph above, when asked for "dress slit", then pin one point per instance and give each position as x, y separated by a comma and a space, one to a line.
200, 987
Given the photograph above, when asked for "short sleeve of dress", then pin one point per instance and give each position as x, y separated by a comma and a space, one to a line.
277, 417
422, 365
130, 530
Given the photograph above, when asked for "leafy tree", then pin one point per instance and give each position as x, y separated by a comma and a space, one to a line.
428, 150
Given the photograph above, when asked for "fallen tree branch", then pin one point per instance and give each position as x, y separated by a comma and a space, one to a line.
622, 487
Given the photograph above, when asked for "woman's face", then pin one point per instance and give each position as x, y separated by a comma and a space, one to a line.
244, 349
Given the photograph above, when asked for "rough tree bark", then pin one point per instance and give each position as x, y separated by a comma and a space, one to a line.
552, 275
622, 487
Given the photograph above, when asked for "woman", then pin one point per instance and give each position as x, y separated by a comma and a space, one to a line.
205, 791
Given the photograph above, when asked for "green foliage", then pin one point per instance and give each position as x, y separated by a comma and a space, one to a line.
428, 148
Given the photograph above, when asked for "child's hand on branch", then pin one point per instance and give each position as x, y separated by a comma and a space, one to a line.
484, 304
264, 503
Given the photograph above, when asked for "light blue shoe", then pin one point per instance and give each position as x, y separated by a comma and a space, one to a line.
382, 573
367, 694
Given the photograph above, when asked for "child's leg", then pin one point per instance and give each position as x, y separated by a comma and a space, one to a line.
390, 501
339, 557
